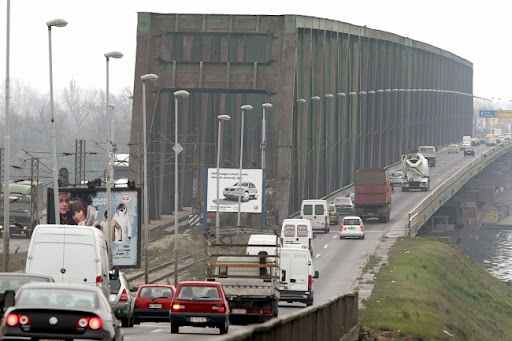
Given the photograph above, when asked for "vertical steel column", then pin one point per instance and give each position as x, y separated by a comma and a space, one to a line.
34, 191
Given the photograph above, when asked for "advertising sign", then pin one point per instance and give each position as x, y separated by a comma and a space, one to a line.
88, 206
488, 113
505, 114
251, 190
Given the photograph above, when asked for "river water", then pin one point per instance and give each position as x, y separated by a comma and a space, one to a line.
493, 250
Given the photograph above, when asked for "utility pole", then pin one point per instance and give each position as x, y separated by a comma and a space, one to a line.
79, 161
34, 191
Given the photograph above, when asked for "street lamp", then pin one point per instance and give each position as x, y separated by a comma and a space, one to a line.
263, 162
177, 149
244, 108
50, 24
147, 77
108, 55
7, 156
221, 119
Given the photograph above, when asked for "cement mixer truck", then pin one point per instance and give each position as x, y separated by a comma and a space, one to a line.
416, 172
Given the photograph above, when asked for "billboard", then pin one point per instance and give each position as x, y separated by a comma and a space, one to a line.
252, 181
88, 206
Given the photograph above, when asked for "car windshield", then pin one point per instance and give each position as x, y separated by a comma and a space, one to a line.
343, 201
57, 298
351, 222
396, 174
14, 283
332, 209
156, 292
195, 292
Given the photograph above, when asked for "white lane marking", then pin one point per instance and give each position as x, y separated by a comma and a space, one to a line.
325, 246
157, 330
318, 255
334, 237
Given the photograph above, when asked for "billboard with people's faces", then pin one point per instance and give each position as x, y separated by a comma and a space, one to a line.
89, 207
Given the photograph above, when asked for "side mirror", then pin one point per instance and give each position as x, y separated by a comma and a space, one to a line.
317, 274
9, 298
114, 274
283, 275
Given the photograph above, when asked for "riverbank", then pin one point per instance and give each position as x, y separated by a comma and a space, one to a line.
430, 290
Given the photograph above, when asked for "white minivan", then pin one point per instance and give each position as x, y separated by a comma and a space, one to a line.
70, 254
316, 211
297, 231
296, 282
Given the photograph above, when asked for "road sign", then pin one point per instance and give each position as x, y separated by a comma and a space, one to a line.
177, 148
488, 113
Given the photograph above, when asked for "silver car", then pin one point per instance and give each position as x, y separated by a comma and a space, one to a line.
395, 179
121, 300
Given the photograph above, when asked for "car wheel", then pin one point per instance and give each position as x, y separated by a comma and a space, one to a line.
245, 197
131, 321
341, 237
125, 322
223, 328
255, 196
175, 328
362, 237
136, 321
309, 302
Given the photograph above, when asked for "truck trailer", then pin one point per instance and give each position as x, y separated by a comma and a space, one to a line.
373, 194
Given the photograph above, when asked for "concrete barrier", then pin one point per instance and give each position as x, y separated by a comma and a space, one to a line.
337, 319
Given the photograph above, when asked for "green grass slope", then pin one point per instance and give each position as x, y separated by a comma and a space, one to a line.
433, 291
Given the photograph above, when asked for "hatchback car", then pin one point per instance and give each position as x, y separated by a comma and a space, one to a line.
395, 179
121, 300
152, 303
453, 148
352, 227
469, 151
62, 311
333, 215
199, 304
490, 143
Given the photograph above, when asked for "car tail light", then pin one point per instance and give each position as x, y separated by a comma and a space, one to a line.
98, 281
361, 225
177, 307
124, 296
92, 322
12, 320
266, 311
24, 320
341, 226
219, 308
310, 282
326, 221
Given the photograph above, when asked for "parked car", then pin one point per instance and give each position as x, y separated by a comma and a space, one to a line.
199, 304
469, 151
352, 227
248, 191
453, 148
395, 179
344, 205
15, 280
152, 303
16, 230
333, 215
44, 311
122, 301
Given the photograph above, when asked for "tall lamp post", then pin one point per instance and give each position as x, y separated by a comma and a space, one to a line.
244, 108
50, 24
7, 156
263, 163
177, 149
108, 55
145, 78
221, 119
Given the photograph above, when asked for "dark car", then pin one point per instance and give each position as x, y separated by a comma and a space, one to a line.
122, 301
15, 280
16, 229
469, 151
152, 303
43, 311
199, 304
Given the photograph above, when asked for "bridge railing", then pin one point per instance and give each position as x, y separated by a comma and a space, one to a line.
439, 196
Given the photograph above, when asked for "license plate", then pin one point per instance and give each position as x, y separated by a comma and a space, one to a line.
155, 306
238, 311
198, 319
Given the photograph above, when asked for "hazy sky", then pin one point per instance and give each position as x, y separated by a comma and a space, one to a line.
477, 31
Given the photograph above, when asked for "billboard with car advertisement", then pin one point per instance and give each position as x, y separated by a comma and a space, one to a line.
88, 206
250, 192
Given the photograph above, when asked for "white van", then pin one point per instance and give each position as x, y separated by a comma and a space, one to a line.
259, 242
70, 254
297, 231
316, 211
296, 282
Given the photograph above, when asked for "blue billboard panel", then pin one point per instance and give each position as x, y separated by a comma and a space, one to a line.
488, 113
88, 206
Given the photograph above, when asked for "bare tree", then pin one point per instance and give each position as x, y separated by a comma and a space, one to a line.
79, 104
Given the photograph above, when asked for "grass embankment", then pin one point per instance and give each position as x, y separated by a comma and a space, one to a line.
433, 291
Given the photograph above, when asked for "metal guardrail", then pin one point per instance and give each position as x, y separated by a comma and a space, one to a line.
439, 196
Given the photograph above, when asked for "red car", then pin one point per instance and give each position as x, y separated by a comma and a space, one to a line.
199, 304
152, 303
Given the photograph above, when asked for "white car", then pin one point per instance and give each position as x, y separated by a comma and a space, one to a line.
352, 227
246, 190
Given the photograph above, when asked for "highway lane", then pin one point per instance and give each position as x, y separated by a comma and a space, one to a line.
339, 261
